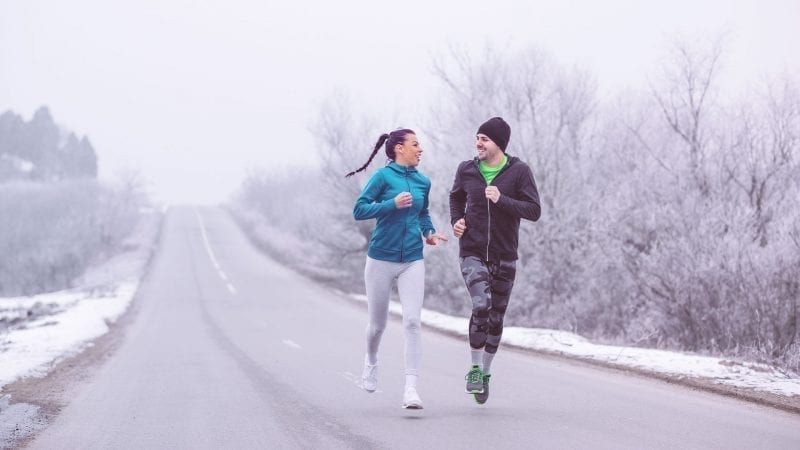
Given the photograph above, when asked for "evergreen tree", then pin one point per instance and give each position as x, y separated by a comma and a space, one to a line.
40, 150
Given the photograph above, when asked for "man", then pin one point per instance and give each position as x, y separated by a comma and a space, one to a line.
490, 194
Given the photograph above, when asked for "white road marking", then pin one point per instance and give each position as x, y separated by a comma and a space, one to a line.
291, 343
211, 256
348, 376
356, 380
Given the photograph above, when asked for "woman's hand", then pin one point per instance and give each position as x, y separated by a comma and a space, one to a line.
403, 200
435, 239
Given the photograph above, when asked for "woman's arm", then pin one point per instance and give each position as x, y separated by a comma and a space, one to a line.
367, 206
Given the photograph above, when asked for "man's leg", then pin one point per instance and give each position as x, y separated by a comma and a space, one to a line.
502, 278
476, 277
502, 274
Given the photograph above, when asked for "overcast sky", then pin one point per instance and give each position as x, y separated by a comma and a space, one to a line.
194, 93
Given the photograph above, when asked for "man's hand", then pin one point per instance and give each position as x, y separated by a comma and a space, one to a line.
403, 200
434, 239
492, 193
459, 227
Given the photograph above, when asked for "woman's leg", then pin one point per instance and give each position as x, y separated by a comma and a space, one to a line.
378, 277
411, 287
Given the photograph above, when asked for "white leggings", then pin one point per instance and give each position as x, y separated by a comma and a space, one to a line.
378, 276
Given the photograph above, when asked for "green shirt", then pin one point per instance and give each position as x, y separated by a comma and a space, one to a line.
490, 172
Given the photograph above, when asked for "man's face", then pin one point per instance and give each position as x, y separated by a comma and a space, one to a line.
487, 149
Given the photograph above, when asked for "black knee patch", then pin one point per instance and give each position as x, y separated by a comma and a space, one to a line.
481, 313
477, 332
495, 323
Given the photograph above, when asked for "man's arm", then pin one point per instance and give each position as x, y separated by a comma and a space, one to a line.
458, 199
526, 205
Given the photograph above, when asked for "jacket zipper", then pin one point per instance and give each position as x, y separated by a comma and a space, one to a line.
489, 224
489, 210
405, 220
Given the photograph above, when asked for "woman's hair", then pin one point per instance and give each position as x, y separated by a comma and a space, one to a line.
391, 139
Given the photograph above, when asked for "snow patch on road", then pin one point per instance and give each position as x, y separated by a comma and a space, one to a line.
17, 421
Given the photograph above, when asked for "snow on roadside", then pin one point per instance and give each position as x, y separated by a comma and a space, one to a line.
756, 376
45, 329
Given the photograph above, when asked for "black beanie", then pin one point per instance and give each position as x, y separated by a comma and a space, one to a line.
498, 130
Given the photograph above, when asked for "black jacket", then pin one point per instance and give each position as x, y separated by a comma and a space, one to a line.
493, 228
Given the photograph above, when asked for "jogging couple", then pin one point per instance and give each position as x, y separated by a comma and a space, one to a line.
491, 193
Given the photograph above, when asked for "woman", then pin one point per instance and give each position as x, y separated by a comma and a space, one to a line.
397, 196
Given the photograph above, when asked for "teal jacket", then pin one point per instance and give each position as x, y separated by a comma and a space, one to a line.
398, 234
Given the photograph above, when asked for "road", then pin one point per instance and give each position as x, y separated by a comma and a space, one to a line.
228, 349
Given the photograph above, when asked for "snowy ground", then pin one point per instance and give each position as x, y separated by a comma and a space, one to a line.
756, 376
37, 332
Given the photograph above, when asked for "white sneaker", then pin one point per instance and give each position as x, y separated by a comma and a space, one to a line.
411, 399
369, 378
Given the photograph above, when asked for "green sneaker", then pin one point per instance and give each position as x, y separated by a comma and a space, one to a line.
483, 396
474, 380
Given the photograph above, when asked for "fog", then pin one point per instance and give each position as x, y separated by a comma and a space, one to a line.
664, 138
195, 94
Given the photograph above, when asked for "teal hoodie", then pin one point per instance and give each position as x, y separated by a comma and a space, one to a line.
398, 234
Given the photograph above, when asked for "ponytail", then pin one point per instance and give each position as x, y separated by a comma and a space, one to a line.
380, 142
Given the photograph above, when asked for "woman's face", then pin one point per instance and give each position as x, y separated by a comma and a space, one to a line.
409, 152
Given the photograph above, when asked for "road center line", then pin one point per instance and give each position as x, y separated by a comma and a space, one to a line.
350, 377
291, 343
210, 252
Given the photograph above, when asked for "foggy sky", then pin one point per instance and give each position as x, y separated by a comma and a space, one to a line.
194, 94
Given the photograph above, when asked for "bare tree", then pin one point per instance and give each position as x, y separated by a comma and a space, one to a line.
762, 159
550, 110
344, 142
670, 221
685, 97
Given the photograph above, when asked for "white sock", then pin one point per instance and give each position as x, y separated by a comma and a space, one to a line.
477, 357
371, 359
411, 381
487, 361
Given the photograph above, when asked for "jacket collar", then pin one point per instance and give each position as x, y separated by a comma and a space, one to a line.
511, 160
401, 169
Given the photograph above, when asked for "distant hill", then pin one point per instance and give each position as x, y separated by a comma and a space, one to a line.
40, 150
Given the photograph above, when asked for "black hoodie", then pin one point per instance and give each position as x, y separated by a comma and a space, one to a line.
493, 228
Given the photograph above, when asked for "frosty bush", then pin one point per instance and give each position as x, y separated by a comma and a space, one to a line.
50, 232
669, 218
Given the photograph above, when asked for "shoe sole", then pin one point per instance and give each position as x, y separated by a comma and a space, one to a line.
363, 385
412, 406
474, 391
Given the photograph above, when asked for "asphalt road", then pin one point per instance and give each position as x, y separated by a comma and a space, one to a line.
228, 349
